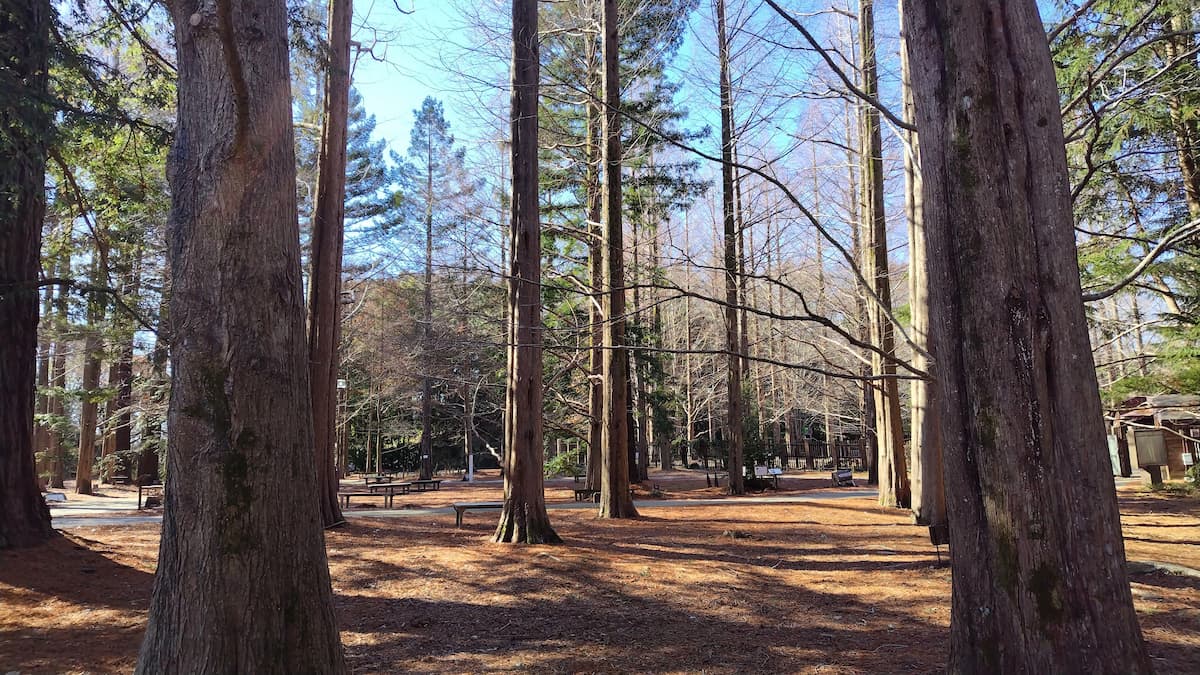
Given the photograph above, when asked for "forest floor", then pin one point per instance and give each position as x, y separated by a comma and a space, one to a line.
833, 586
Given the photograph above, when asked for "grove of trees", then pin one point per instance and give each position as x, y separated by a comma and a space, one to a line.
944, 239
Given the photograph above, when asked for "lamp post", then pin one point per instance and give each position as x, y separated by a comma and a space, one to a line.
340, 452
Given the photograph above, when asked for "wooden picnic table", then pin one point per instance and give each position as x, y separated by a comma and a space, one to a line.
149, 491
390, 488
371, 479
387, 497
430, 484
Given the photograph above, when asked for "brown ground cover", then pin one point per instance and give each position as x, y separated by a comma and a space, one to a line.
838, 586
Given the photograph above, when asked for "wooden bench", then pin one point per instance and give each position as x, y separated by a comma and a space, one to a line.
842, 478
584, 494
462, 507
373, 479
390, 488
152, 490
387, 497
431, 484
713, 478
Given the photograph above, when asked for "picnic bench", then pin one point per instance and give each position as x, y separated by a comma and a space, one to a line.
387, 496
584, 494
842, 478
149, 491
390, 488
430, 484
372, 479
462, 507
768, 474
713, 477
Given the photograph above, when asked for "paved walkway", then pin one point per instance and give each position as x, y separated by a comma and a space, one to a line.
67, 522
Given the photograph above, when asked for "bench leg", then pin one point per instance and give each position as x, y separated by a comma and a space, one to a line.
458, 518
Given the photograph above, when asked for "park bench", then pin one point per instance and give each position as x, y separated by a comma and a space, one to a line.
578, 475
584, 494
431, 484
713, 478
842, 478
387, 497
150, 492
370, 479
462, 507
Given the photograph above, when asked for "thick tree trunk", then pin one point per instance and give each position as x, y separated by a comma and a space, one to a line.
325, 285
24, 50
524, 518
243, 581
733, 343
1039, 579
615, 501
889, 432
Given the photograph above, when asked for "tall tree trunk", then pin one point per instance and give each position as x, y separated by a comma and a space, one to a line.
733, 343
88, 408
928, 491
325, 285
41, 430
243, 581
427, 324
58, 380
1039, 579
615, 501
1185, 125
893, 458
24, 50
596, 271
524, 518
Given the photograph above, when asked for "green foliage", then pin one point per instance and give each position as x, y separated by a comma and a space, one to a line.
564, 463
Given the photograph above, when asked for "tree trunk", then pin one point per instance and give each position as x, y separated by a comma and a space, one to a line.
928, 492
596, 271
58, 380
1185, 125
524, 518
325, 285
243, 582
893, 459
732, 339
1039, 580
24, 50
88, 409
41, 429
615, 501
427, 325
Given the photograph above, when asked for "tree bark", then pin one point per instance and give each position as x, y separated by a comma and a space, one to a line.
615, 501
1039, 579
524, 518
24, 50
325, 285
892, 469
89, 408
242, 582
733, 344
595, 267
928, 491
